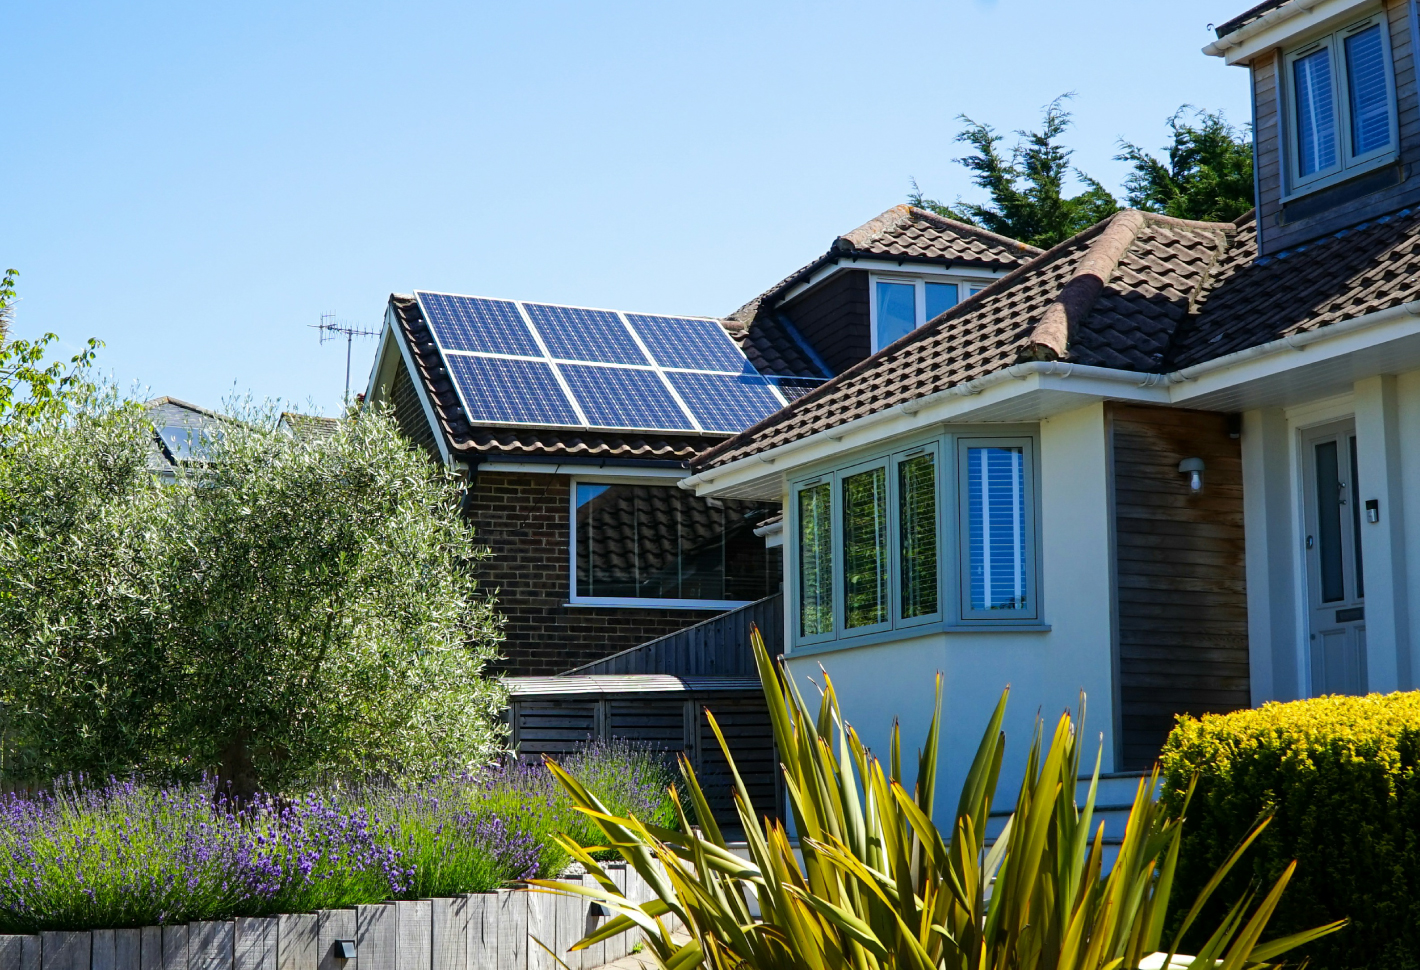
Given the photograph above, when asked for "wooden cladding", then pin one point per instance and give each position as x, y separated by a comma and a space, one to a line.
673, 722
1181, 585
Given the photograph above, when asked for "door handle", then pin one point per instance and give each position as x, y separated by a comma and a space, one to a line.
1309, 542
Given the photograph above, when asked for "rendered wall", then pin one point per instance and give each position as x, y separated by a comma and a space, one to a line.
1045, 670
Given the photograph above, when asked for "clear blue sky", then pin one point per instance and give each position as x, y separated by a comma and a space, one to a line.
196, 183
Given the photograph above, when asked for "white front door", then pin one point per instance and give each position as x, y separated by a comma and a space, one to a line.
1335, 584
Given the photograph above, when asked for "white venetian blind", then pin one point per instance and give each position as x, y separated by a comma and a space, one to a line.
1366, 81
996, 523
1316, 112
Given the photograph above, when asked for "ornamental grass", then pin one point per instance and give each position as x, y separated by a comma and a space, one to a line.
133, 853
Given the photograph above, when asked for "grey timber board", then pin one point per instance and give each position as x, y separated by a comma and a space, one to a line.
515, 924
102, 955
542, 930
150, 953
175, 946
19, 953
210, 945
332, 925
65, 950
567, 924
128, 949
448, 928
618, 946
254, 943
415, 944
483, 932
296, 942
377, 937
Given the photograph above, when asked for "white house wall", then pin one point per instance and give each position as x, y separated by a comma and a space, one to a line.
1045, 670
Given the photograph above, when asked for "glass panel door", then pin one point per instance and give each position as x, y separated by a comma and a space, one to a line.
1335, 584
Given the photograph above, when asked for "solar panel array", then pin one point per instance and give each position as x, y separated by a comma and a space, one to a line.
556, 366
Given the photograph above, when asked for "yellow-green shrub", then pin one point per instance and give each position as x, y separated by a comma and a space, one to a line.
1342, 777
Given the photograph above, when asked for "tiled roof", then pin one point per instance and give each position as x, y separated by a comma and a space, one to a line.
468, 440
309, 426
908, 233
1138, 292
1154, 266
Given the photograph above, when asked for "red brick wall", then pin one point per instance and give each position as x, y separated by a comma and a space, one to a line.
523, 519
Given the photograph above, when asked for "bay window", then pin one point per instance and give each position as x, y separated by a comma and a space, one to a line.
1341, 117
654, 544
870, 537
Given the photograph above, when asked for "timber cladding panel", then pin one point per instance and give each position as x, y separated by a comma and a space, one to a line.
1180, 580
1344, 204
833, 317
524, 520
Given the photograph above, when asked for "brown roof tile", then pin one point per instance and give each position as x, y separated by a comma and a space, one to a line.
1138, 292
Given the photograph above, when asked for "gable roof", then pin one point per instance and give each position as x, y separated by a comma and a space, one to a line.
909, 234
1138, 292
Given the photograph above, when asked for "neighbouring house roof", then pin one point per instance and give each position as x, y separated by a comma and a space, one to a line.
1137, 292
471, 441
308, 425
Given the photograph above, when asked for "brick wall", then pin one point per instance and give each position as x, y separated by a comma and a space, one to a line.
523, 519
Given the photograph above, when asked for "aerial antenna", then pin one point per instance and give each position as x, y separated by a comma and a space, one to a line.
332, 329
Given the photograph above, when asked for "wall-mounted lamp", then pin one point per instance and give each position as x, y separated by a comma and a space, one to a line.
344, 949
1193, 468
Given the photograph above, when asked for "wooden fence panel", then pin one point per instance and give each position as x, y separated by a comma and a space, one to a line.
377, 936
296, 942
449, 933
127, 949
210, 945
333, 925
415, 944
254, 943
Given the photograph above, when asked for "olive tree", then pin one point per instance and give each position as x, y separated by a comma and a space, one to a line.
292, 607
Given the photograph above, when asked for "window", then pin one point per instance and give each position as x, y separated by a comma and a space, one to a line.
1342, 111
870, 538
902, 304
635, 543
998, 573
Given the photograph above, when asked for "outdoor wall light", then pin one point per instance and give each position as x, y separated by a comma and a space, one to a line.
1193, 468
344, 949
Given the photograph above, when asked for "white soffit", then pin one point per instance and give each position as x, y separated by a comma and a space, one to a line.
1282, 25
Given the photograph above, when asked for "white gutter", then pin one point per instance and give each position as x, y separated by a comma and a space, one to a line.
1286, 11
1063, 370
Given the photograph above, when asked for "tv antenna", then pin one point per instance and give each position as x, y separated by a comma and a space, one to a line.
332, 329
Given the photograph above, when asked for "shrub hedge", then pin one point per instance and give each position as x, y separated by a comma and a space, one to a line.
1341, 777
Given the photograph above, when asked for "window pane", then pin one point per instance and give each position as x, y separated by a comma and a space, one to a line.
1316, 112
1366, 80
815, 560
1328, 522
897, 312
996, 519
661, 542
865, 578
941, 297
917, 486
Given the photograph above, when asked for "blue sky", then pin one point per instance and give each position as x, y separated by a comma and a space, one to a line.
196, 183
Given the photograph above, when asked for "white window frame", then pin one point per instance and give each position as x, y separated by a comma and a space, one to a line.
1347, 165
1032, 533
637, 602
952, 535
966, 287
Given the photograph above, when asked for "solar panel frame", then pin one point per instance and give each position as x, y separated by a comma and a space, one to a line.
711, 397
608, 393
646, 396
477, 324
585, 335
710, 348
519, 391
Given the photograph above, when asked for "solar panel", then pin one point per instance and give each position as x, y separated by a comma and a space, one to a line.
478, 325
572, 333
503, 391
725, 402
623, 397
688, 342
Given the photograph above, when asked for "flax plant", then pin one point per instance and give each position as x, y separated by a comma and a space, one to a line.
880, 887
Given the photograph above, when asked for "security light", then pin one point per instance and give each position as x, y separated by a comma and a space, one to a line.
345, 949
1193, 468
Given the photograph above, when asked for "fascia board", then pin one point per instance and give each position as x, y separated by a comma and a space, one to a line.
1278, 27
378, 379
887, 264
424, 401
586, 470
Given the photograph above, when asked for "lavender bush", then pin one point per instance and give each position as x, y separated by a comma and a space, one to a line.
129, 853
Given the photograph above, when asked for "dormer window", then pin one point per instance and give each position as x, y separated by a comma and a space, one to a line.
1342, 112
902, 304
